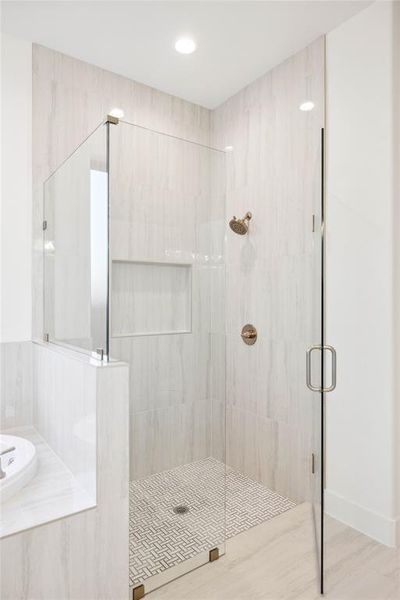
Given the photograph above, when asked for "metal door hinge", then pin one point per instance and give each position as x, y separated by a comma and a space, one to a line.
100, 352
112, 120
313, 463
249, 334
44, 225
46, 337
313, 223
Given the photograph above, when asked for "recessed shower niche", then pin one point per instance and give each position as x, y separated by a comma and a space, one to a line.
150, 298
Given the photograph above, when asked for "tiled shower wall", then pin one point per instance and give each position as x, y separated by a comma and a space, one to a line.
167, 209
274, 171
16, 384
178, 219
273, 274
70, 99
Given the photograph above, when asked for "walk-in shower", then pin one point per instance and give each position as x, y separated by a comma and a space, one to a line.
134, 233
140, 266
167, 229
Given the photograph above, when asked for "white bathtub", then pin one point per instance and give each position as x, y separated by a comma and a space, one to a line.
19, 465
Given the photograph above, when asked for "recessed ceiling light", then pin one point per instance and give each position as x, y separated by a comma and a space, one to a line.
306, 106
185, 45
118, 113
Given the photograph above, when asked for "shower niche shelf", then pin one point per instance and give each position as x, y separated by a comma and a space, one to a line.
150, 297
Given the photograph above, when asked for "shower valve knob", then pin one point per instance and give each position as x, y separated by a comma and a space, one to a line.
249, 334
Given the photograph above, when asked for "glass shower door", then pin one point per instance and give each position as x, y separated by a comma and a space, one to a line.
320, 372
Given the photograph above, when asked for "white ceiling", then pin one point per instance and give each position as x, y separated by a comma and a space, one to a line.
237, 41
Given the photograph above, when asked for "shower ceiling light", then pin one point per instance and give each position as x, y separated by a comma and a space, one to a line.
306, 106
185, 46
118, 113
228, 148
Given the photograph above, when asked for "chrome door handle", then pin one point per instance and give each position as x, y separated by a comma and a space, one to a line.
312, 387
315, 388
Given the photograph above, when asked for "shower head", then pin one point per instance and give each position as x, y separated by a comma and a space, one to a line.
240, 226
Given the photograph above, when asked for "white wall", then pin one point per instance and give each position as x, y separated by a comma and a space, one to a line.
360, 261
16, 186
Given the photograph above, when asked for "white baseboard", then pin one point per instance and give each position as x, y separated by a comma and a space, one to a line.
380, 528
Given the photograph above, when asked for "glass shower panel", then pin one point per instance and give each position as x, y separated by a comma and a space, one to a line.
75, 232
167, 225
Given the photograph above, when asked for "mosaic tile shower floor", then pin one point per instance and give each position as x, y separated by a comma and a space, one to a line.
159, 538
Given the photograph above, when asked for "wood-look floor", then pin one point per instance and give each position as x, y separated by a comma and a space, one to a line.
276, 560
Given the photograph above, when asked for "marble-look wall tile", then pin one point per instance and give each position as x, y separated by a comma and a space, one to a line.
273, 273
170, 409
252, 445
218, 430
76, 96
165, 370
270, 451
71, 557
165, 438
157, 186
64, 410
16, 384
217, 394
167, 205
